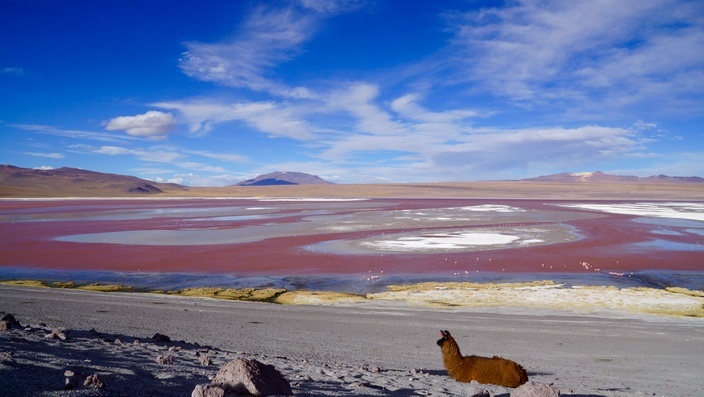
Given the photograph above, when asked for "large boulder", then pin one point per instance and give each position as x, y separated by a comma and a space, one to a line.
535, 389
250, 377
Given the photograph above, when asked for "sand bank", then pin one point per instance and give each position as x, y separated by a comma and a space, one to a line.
377, 348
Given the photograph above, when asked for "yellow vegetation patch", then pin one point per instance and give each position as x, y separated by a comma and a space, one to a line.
548, 295
64, 284
685, 291
432, 285
25, 283
243, 294
317, 298
104, 287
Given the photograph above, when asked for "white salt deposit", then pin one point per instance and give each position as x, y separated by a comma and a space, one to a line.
692, 211
440, 241
492, 208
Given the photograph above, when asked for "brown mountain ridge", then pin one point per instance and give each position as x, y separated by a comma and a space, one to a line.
66, 182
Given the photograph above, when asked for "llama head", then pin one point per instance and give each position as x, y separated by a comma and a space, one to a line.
445, 336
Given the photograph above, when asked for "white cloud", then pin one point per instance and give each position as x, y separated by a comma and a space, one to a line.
152, 124
46, 155
275, 119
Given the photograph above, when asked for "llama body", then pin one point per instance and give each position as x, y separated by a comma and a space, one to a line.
489, 370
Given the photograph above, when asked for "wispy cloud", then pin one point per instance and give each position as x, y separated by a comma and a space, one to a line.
152, 125
46, 155
12, 71
153, 154
72, 134
269, 37
625, 53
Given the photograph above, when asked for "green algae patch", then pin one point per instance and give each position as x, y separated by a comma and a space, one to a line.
242, 294
317, 298
25, 283
104, 287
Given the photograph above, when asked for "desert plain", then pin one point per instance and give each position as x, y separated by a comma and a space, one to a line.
596, 290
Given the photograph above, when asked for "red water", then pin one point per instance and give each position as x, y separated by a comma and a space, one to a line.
607, 244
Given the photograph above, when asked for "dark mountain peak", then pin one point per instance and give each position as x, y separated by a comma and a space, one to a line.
284, 178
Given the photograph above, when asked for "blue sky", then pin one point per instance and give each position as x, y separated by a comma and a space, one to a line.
355, 91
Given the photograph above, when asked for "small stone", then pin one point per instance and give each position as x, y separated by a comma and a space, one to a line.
57, 334
6, 358
94, 381
535, 389
207, 390
167, 359
205, 360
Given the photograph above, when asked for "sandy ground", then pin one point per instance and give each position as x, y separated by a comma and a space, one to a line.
371, 348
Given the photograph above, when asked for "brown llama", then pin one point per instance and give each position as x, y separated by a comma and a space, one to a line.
494, 370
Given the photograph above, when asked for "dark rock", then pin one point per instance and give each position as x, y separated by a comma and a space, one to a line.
160, 338
535, 389
8, 321
72, 379
242, 376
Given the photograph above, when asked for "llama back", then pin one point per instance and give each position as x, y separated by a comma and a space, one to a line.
495, 370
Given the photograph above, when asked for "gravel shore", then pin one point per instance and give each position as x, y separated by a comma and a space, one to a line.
370, 348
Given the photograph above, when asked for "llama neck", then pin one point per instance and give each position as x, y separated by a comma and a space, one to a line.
451, 354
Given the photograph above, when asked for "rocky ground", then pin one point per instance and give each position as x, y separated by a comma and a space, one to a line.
118, 341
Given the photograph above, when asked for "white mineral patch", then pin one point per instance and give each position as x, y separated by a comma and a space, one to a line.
492, 208
692, 211
440, 241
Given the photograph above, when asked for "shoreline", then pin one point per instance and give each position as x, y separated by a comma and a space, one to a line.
528, 293
384, 348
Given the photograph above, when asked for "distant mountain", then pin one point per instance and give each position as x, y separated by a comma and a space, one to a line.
600, 177
284, 178
66, 182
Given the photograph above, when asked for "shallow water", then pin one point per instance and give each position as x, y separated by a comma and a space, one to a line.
348, 245
352, 283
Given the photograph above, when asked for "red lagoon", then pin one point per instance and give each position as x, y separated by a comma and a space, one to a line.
327, 237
